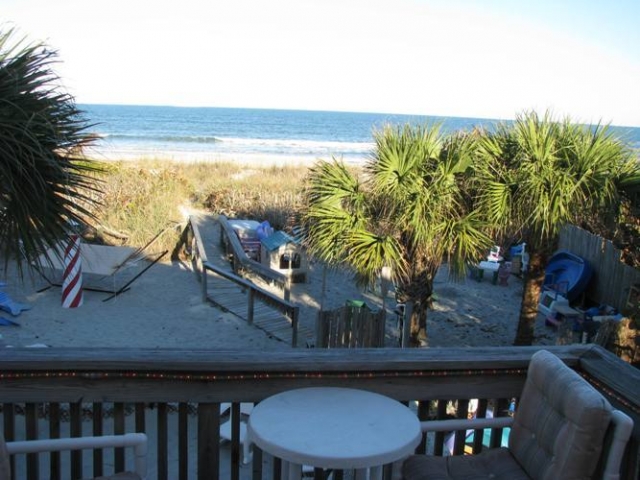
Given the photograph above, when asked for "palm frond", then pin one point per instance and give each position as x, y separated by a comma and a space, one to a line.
43, 185
400, 154
369, 254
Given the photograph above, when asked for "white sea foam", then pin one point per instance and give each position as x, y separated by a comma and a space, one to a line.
124, 154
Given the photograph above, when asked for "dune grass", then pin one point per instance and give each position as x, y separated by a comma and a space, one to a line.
143, 198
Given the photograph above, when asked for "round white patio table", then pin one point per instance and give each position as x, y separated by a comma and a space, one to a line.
337, 428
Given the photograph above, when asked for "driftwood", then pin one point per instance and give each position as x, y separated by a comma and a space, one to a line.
112, 233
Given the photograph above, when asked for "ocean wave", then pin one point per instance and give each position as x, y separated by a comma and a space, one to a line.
133, 137
301, 144
237, 145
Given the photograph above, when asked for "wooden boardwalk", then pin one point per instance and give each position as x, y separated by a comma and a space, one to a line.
234, 298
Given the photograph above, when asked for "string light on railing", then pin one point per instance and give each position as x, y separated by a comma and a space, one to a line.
610, 393
254, 376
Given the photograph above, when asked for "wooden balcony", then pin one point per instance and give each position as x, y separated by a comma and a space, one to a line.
174, 396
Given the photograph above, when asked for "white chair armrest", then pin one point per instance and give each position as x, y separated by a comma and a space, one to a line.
225, 434
136, 440
465, 424
623, 425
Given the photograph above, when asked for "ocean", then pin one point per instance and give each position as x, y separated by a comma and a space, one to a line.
205, 133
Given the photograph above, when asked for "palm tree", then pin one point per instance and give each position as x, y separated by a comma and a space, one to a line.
537, 175
43, 186
407, 212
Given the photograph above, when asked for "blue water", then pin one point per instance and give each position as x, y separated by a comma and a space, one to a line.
129, 131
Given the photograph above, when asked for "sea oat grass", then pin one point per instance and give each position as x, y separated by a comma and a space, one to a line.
143, 198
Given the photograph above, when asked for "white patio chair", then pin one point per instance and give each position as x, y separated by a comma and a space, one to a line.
225, 428
137, 441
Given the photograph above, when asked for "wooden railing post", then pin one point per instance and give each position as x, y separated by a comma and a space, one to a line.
200, 257
162, 441
293, 316
31, 430
406, 324
208, 441
251, 301
321, 330
204, 282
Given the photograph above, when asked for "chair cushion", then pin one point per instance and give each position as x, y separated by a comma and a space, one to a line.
560, 423
495, 464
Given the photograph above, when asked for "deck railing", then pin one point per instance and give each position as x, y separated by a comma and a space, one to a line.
175, 395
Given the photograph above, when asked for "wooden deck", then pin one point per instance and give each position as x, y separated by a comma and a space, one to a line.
174, 396
231, 295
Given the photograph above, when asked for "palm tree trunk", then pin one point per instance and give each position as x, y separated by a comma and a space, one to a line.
418, 291
534, 278
418, 323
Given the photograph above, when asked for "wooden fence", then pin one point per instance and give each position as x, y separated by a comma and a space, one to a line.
350, 327
613, 279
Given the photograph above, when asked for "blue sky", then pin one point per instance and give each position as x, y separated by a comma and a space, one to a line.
482, 58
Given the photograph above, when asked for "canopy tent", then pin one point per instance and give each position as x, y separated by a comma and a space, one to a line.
105, 268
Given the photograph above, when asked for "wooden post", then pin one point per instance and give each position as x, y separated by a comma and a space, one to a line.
293, 315
321, 330
208, 441
236, 453
250, 305
204, 281
406, 324
31, 430
162, 441
183, 439
382, 323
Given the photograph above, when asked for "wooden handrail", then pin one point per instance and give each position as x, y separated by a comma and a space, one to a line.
241, 258
200, 255
199, 244
256, 293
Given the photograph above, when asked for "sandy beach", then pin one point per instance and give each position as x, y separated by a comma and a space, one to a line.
248, 159
164, 309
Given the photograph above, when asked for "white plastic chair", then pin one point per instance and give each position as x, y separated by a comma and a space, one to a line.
225, 428
137, 441
494, 254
